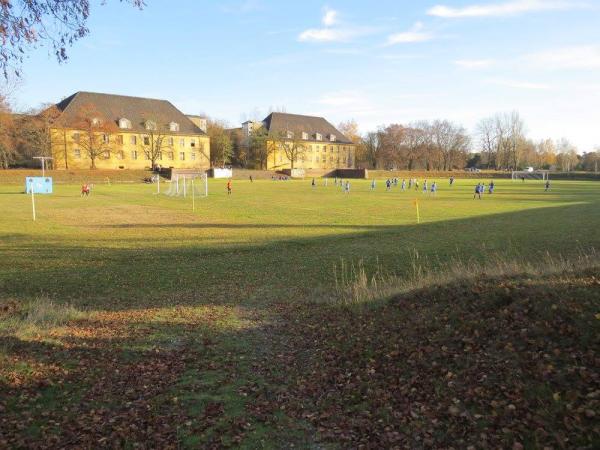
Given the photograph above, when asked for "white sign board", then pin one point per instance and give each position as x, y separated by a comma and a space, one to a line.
222, 173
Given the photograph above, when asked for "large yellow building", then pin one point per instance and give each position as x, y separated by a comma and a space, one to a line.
108, 131
311, 142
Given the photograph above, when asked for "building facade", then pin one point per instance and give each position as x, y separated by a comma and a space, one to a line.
108, 131
302, 142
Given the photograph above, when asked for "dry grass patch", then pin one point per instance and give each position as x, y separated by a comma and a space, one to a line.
353, 285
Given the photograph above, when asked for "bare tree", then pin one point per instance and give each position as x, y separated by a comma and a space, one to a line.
94, 136
372, 145
567, 155
546, 153
392, 145
515, 138
450, 141
25, 24
155, 140
350, 130
414, 145
290, 143
488, 141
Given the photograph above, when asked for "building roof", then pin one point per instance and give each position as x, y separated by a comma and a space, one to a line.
282, 122
135, 109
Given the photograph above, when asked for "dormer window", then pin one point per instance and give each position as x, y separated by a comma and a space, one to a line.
174, 126
332, 137
125, 123
290, 134
318, 137
304, 136
95, 121
150, 125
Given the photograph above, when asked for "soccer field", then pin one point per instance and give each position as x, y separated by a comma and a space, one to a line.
140, 280
270, 238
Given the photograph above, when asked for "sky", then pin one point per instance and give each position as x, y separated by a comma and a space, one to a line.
377, 62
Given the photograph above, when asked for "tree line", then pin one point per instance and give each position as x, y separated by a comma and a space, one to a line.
499, 142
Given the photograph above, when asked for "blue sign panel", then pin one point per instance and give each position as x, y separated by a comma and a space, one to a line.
40, 185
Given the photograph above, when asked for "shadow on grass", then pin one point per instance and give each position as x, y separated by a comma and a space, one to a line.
182, 380
148, 276
361, 377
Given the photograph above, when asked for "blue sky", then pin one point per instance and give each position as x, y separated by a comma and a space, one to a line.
378, 62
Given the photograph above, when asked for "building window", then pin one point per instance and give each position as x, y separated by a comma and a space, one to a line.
125, 124
193, 157
76, 137
304, 136
76, 153
134, 154
150, 125
324, 158
160, 156
106, 155
174, 126
119, 154
193, 143
332, 148
171, 156
147, 156
182, 142
290, 134
182, 156
105, 138
171, 141
146, 140
332, 137
120, 139
318, 137
133, 140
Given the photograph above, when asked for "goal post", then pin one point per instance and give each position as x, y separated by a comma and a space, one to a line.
195, 185
522, 175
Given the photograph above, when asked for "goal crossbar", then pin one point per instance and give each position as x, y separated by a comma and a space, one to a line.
543, 175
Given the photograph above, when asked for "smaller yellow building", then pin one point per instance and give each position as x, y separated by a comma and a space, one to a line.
108, 131
308, 142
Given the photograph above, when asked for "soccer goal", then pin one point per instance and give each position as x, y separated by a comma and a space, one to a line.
188, 185
520, 175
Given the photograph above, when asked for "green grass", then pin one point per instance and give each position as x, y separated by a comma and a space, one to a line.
139, 284
125, 246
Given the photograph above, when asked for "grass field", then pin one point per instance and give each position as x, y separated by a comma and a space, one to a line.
127, 317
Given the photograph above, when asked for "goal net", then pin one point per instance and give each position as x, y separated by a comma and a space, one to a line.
520, 175
188, 185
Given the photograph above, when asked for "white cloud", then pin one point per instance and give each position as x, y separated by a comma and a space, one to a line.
475, 63
331, 34
502, 9
333, 30
330, 17
415, 34
570, 58
519, 84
